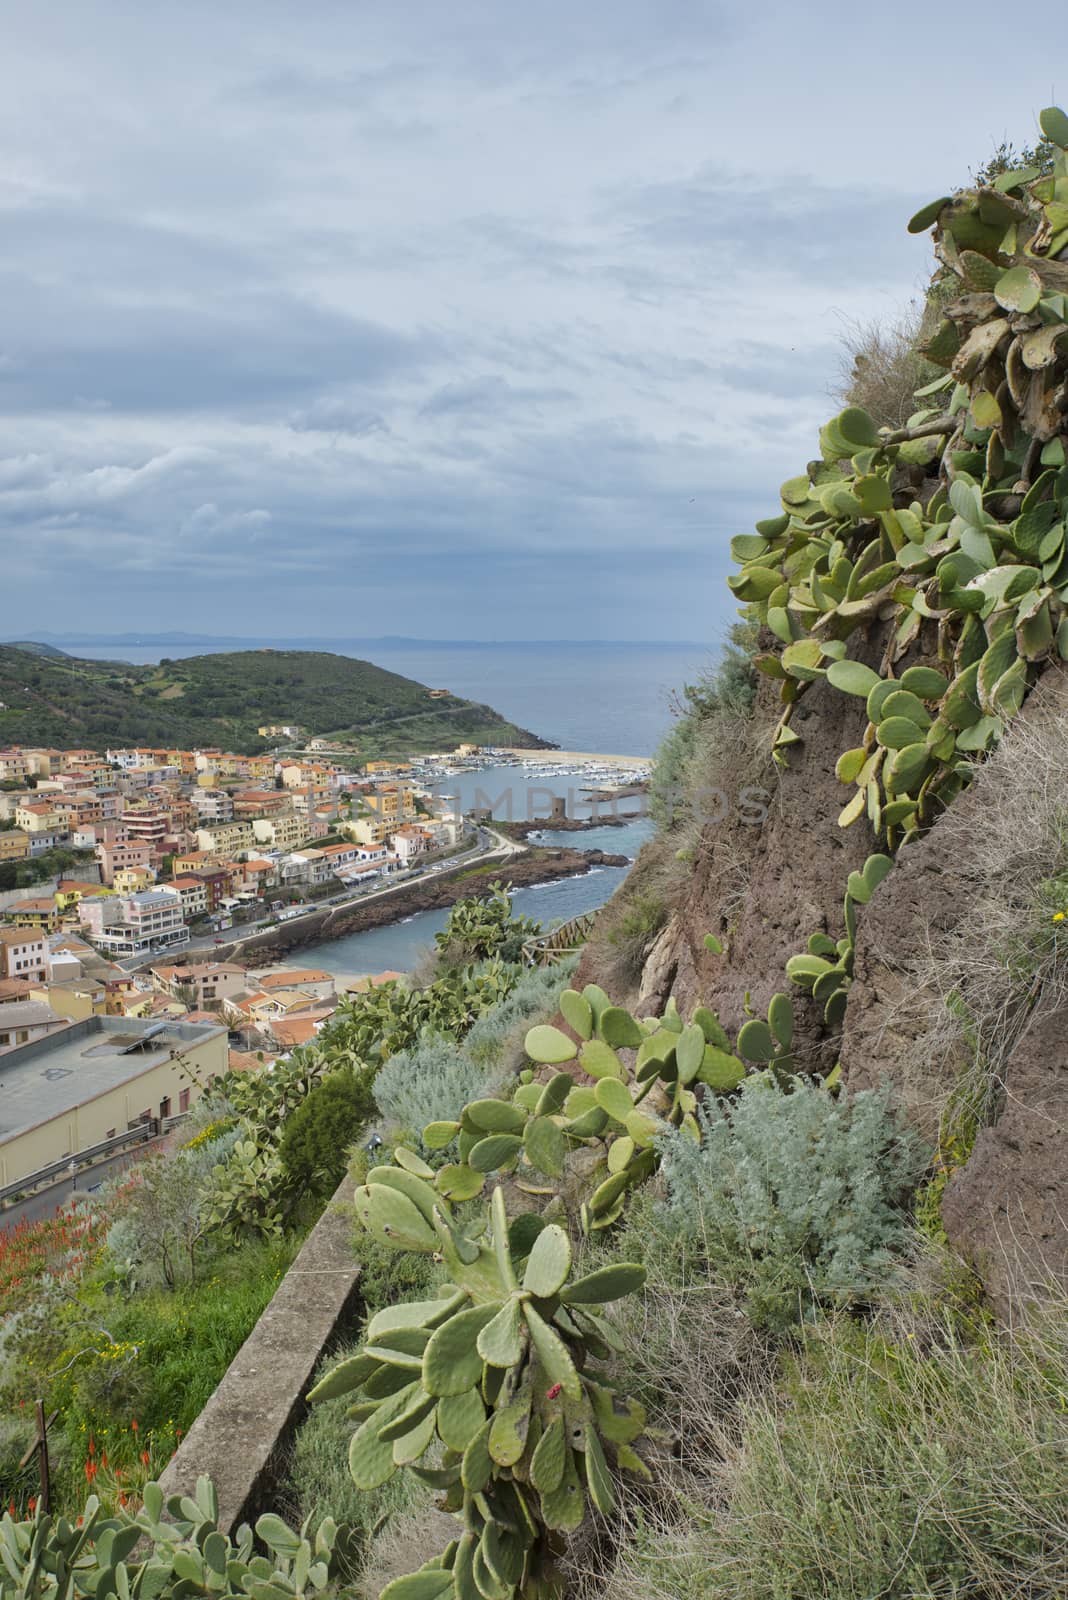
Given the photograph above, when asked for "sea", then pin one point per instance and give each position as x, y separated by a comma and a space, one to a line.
614, 699
397, 948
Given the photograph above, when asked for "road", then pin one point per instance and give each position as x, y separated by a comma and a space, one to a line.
490, 845
48, 1201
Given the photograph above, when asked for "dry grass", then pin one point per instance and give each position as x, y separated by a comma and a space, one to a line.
1004, 963
403, 1544
892, 1461
630, 922
879, 368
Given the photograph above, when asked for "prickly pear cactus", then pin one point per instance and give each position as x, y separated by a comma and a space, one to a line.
487, 1393
622, 1109
825, 967
171, 1547
952, 527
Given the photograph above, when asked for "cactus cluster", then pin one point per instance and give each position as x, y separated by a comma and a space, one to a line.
645, 1073
487, 1392
825, 968
171, 1547
951, 529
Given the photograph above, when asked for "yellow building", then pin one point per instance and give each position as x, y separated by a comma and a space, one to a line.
36, 913
131, 880
69, 891
281, 832
226, 838
39, 816
74, 1000
393, 803
14, 845
368, 830
99, 1077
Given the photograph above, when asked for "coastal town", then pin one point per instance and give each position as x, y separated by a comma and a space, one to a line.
127, 875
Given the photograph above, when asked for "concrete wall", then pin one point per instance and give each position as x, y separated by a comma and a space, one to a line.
241, 1438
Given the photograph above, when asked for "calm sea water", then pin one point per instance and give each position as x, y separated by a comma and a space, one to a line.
604, 697
398, 947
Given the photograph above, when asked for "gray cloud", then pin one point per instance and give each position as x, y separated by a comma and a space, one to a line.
370, 317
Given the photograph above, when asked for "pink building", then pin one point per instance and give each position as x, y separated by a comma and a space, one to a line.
114, 857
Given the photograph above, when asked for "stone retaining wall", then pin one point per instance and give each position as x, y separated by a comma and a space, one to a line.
241, 1437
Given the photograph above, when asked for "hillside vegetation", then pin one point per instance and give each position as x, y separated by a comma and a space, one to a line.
223, 699
738, 1266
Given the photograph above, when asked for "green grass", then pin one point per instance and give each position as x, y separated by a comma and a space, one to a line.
132, 1371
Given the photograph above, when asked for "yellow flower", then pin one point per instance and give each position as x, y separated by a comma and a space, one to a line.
1058, 916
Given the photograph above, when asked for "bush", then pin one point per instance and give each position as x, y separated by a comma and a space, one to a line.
709, 711
797, 1196
316, 1137
633, 933
880, 368
163, 1218
430, 1083
496, 1040
433, 1080
892, 1461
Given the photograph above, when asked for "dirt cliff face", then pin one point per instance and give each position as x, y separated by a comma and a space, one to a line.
1006, 1209
763, 882
764, 887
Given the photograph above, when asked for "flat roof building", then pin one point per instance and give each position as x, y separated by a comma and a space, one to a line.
97, 1078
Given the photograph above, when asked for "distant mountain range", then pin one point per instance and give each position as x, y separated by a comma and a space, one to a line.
146, 641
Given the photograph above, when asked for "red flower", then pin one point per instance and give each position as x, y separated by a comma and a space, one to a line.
133, 1424
144, 1457
552, 1393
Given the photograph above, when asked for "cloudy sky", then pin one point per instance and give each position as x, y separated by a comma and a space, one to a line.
461, 320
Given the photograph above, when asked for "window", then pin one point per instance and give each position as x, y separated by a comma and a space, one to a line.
183, 1100
164, 1108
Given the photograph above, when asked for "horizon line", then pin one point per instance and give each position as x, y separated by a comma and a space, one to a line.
255, 641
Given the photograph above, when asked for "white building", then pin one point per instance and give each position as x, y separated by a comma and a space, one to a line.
135, 924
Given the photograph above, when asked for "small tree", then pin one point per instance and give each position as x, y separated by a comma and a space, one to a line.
317, 1137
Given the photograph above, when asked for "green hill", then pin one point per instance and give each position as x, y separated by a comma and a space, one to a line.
222, 700
34, 648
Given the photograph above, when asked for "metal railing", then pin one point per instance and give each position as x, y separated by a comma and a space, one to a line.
143, 1133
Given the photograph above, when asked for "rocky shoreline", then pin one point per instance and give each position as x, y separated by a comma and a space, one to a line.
532, 867
523, 830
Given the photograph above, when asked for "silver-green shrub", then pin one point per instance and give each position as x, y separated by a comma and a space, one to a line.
798, 1197
431, 1082
496, 1040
